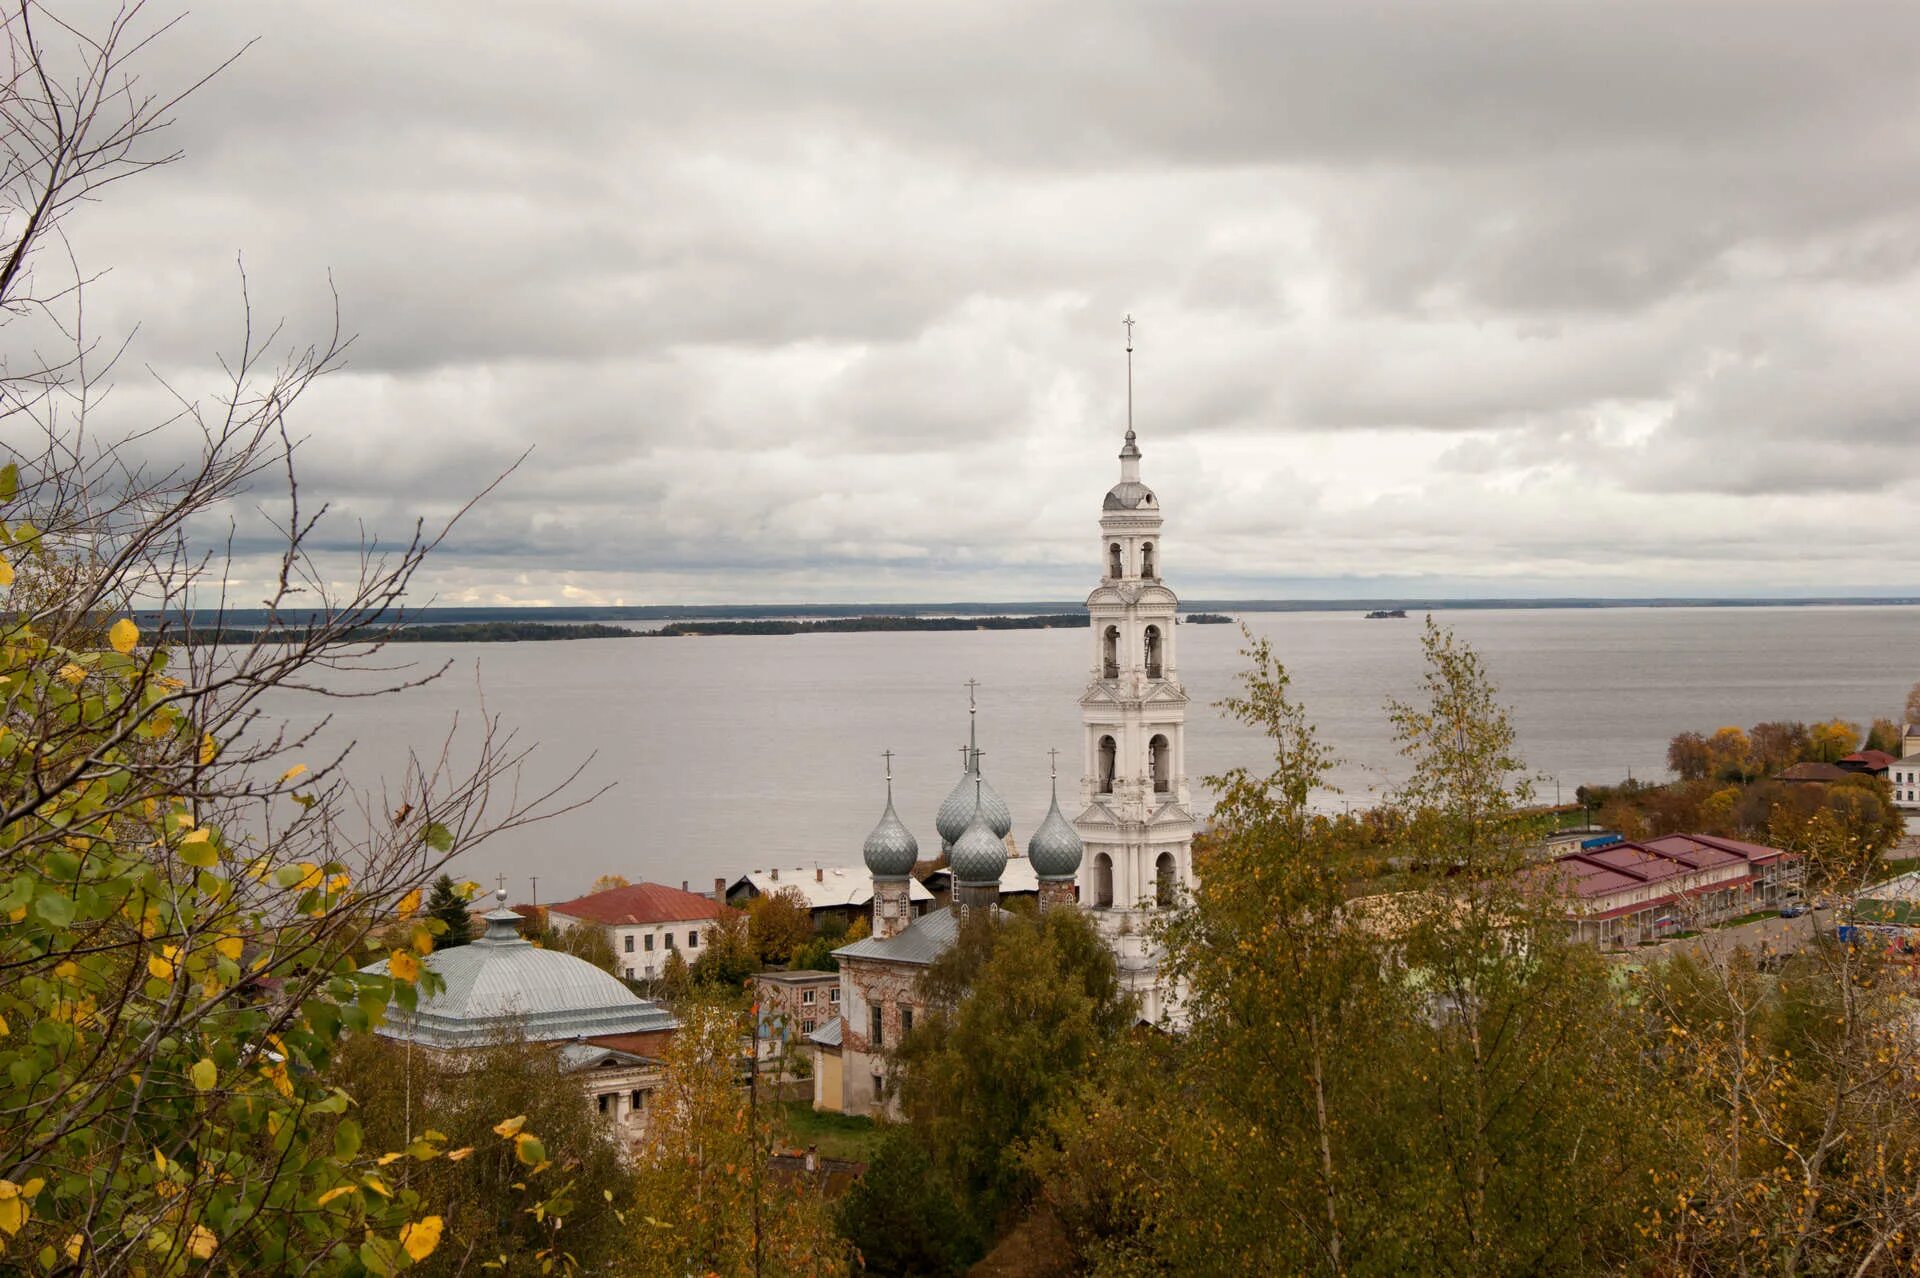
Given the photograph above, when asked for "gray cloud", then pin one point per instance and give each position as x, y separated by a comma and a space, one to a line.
823, 300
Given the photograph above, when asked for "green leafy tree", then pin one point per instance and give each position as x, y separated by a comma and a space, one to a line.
588, 942
902, 1216
704, 1200
1018, 1010
729, 957
779, 923
399, 1093
1778, 745
448, 904
1833, 740
1689, 757
186, 904
1884, 736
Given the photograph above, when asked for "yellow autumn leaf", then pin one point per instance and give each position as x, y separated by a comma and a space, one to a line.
511, 1127
123, 636
385, 1159
422, 940
229, 947
201, 1242
13, 1208
159, 968
6, 573
204, 1074
407, 906
66, 970
468, 888
404, 966
293, 772
377, 1185
454, 1156
195, 836
334, 1193
73, 674
208, 748
3, 1027
75, 1245
421, 1237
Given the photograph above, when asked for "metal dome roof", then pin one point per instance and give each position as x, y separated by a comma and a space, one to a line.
1128, 494
978, 855
891, 850
1055, 848
956, 810
502, 986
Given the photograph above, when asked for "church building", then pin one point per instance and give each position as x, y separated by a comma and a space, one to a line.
1126, 856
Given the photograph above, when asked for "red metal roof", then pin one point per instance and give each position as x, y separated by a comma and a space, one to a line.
1618, 867
1876, 760
639, 903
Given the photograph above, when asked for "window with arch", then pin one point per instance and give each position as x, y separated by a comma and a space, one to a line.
1146, 560
1163, 881
1114, 567
1102, 881
1107, 752
1152, 647
1162, 754
1110, 653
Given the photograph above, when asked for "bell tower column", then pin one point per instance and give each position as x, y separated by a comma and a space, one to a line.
1136, 820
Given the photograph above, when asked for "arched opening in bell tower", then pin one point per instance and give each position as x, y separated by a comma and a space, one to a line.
1153, 652
1114, 567
1163, 881
1146, 561
1162, 755
1107, 752
1110, 653
1102, 881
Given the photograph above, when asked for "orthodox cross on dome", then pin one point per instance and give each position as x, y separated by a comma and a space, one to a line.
1128, 321
888, 756
1053, 770
501, 881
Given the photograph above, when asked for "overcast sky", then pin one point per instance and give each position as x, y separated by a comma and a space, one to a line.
823, 301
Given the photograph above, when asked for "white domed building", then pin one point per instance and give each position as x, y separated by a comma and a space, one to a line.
502, 988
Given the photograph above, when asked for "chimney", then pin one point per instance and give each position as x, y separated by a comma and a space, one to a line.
719, 889
819, 875
683, 885
774, 874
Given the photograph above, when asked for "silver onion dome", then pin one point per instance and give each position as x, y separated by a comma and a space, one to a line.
971, 791
1055, 849
979, 855
891, 850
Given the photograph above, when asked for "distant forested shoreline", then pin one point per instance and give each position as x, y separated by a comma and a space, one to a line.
539, 632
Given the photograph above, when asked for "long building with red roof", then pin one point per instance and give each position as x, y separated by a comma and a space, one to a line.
645, 921
1627, 892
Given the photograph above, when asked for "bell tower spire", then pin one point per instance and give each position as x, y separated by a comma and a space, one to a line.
1136, 820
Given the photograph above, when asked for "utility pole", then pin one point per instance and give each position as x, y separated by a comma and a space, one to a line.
753, 1127
536, 888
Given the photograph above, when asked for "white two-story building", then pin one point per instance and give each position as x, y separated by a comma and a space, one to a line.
645, 921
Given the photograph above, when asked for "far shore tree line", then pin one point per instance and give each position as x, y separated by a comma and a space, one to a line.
1730, 783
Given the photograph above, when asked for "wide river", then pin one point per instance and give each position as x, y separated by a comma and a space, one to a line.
729, 754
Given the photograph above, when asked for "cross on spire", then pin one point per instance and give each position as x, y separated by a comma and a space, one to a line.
1128, 321
501, 879
888, 756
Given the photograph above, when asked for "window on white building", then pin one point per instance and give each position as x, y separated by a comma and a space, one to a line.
693, 940
669, 937
806, 1027
605, 1101
833, 995
628, 939
875, 1027
649, 945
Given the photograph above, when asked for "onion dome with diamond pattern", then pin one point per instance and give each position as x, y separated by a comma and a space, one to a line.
971, 791
979, 855
891, 850
1055, 849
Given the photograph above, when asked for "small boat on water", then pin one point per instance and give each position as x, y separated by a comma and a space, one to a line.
1384, 614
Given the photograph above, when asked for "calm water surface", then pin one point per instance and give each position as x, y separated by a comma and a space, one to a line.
731, 753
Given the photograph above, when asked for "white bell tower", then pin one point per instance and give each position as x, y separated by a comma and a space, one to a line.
1136, 820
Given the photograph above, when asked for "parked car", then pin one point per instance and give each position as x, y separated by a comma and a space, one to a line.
1792, 910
